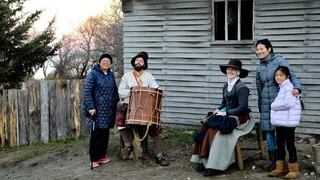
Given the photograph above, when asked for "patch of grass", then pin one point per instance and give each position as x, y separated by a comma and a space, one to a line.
173, 138
28, 155
177, 137
25, 152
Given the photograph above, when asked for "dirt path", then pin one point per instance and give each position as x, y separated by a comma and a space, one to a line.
73, 163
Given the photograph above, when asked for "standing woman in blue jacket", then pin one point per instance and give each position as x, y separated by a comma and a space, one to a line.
101, 96
267, 91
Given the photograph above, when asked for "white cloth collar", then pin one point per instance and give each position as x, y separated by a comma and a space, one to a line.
231, 83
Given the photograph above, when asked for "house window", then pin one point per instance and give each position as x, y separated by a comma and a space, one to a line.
232, 20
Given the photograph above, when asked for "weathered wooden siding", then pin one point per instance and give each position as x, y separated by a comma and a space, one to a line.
185, 61
41, 111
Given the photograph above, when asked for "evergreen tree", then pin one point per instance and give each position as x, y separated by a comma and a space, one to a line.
21, 54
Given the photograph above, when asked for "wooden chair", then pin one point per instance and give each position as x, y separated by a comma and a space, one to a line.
260, 149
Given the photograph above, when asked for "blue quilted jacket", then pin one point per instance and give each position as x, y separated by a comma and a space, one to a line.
101, 93
268, 88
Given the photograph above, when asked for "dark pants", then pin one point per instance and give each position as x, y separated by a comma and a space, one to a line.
99, 141
285, 138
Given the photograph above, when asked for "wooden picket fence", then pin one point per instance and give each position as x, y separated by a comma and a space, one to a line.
42, 111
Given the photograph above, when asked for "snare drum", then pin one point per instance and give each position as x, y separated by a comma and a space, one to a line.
144, 106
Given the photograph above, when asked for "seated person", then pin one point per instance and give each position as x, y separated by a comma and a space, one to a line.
212, 151
141, 78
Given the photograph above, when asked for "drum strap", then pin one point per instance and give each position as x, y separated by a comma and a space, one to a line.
138, 82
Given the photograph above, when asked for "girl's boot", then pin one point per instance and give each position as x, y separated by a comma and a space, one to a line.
279, 169
293, 171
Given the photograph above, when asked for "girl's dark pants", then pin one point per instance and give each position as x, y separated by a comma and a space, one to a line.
285, 139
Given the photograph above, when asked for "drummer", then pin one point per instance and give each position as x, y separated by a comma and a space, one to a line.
139, 77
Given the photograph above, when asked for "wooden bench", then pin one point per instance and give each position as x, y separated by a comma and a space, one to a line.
240, 158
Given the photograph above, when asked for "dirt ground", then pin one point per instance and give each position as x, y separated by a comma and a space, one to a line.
73, 163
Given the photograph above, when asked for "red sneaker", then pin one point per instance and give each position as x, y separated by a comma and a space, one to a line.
95, 164
104, 160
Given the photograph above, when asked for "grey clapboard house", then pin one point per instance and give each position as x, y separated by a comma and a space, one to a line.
187, 40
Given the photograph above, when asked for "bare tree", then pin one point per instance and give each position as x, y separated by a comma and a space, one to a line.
109, 34
98, 34
77, 53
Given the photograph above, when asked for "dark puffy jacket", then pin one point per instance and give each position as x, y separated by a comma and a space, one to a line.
268, 88
101, 93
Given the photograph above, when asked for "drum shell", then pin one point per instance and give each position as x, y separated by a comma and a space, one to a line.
144, 106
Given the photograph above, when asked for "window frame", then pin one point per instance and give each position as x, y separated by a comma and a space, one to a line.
226, 40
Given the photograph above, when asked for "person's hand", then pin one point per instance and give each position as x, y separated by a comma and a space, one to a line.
216, 111
295, 92
92, 112
221, 113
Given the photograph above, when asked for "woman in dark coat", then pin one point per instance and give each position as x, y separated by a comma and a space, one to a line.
268, 90
101, 96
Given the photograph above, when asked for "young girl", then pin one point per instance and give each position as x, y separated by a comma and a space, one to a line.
285, 114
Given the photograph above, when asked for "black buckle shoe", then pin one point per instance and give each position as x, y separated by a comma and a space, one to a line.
162, 161
199, 167
209, 172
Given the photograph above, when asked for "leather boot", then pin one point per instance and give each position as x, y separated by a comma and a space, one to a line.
271, 163
162, 161
293, 171
158, 150
279, 169
126, 152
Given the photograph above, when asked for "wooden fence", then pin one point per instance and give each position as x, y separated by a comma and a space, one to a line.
42, 111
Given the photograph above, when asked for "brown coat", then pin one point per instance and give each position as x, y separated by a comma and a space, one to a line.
203, 149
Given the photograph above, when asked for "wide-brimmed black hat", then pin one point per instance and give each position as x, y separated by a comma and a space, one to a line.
237, 64
144, 56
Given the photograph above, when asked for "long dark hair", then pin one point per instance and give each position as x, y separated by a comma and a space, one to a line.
285, 70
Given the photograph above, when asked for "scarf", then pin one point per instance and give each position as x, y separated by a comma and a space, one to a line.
137, 76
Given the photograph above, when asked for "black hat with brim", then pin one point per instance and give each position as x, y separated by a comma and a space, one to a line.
237, 64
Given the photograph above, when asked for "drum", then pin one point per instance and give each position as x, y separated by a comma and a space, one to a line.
144, 106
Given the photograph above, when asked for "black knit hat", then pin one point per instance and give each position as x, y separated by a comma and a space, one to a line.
105, 56
237, 64
144, 56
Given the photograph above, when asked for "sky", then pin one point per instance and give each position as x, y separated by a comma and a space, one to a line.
69, 13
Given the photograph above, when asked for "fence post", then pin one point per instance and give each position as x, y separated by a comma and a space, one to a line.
44, 111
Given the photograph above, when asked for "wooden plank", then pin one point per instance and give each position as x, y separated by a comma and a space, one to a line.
69, 120
62, 108
53, 118
34, 111
75, 107
4, 134
12, 105
23, 116
145, 18
1, 120
44, 111
84, 128
187, 5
